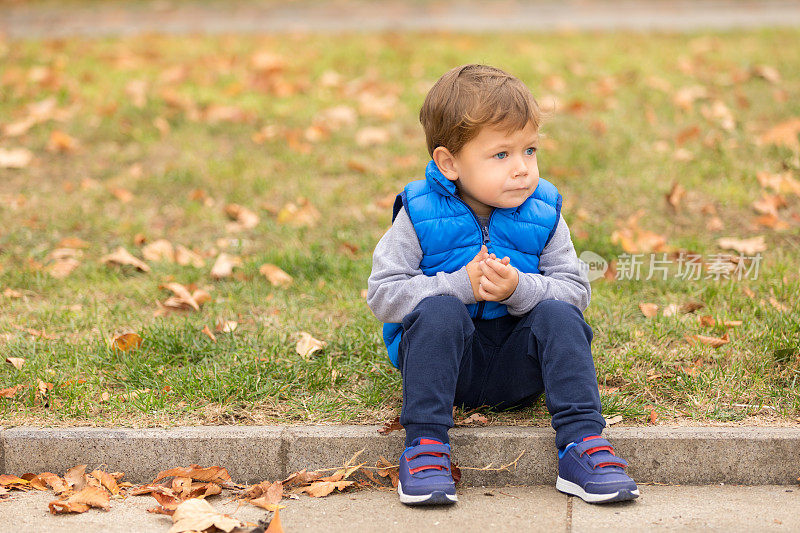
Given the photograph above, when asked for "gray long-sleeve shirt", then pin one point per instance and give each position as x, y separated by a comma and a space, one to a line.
397, 284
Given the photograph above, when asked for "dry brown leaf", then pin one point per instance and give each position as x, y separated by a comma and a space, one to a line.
474, 418
122, 194
62, 267
76, 477
275, 275
14, 482
212, 474
714, 342
777, 305
226, 326
387, 469
10, 392
12, 293
15, 157
745, 246
37, 482
319, 489
198, 515
122, 257
184, 257
613, 420
782, 182
633, 239
81, 501
270, 496
275, 524
307, 344
301, 478
301, 213
106, 480
16, 362
390, 425
34, 332
61, 142
708, 321
371, 136
245, 218
675, 195
767, 72
223, 266
784, 134
183, 299
127, 341
653, 416
648, 309
160, 250
209, 334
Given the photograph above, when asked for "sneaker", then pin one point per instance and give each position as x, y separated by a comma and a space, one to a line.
591, 470
425, 477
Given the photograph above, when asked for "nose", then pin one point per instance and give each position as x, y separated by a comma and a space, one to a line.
521, 169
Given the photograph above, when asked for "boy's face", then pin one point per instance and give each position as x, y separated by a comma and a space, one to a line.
495, 169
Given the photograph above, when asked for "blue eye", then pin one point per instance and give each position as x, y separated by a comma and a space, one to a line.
504, 154
530, 151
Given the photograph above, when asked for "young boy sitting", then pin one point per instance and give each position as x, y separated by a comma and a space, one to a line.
467, 328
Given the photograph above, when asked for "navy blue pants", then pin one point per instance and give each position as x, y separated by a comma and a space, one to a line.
447, 358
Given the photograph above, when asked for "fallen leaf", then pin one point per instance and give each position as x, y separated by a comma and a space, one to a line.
371, 136
275, 275
245, 218
653, 416
299, 214
784, 134
226, 326
675, 195
122, 257
613, 420
270, 496
745, 246
211, 474
474, 418
319, 489
301, 478
127, 341
61, 142
198, 515
14, 482
391, 425
307, 344
34, 332
183, 299
15, 157
106, 480
648, 309
184, 257
16, 362
275, 523
223, 266
121, 194
209, 334
10, 392
76, 477
714, 342
160, 250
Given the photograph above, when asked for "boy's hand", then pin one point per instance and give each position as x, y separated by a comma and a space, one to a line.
498, 279
474, 271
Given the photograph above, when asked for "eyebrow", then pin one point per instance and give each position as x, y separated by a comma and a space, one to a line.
534, 142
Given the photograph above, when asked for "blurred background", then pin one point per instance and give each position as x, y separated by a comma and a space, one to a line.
191, 191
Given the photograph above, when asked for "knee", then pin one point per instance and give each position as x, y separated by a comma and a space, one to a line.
442, 309
557, 315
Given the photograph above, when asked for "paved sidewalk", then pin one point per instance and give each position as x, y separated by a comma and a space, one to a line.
514, 509
95, 18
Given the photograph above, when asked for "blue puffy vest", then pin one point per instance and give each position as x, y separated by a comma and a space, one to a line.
450, 235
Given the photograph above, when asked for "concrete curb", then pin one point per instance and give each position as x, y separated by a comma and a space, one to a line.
677, 455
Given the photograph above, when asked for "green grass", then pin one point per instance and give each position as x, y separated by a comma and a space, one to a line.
254, 375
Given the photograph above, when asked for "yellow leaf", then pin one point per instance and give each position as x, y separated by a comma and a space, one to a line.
16, 362
127, 341
275, 275
307, 344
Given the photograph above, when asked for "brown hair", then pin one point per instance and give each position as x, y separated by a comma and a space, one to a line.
469, 97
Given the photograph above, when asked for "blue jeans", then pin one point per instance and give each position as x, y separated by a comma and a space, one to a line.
447, 358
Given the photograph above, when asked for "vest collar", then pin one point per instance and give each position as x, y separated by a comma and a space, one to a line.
437, 181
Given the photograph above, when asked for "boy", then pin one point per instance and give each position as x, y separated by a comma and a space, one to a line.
466, 328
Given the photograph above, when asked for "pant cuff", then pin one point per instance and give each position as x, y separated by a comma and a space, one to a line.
429, 431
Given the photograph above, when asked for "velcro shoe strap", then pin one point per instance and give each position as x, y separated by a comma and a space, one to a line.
429, 460
587, 445
428, 448
604, 458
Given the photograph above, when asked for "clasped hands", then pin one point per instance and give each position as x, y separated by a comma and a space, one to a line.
492, 279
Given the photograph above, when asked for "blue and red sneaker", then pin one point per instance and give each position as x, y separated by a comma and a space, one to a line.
425, 477
591, 470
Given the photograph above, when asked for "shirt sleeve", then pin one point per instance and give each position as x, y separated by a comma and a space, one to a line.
562, 277
396, 284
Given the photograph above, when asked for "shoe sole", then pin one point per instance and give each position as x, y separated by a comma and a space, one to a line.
571, 488
437, 497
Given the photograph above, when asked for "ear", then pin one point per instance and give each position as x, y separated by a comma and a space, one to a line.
446, 162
